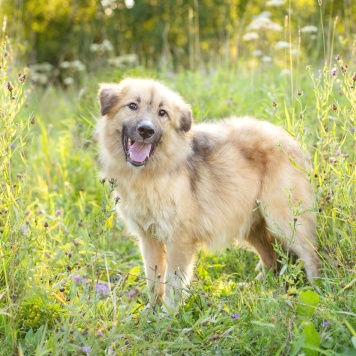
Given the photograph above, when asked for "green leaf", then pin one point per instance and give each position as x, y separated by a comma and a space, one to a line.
308, 301
298, 345
312, 339
353, 339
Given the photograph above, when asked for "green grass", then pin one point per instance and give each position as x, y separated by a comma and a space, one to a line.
58, 224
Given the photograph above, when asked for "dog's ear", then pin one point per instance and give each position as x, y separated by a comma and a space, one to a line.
109, 94
186, 119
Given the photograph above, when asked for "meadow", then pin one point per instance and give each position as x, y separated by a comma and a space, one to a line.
71, 277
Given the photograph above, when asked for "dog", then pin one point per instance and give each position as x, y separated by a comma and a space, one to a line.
184, 186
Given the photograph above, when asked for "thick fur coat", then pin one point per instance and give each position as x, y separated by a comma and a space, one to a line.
184, 186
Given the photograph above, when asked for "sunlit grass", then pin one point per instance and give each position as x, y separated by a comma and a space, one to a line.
71, 279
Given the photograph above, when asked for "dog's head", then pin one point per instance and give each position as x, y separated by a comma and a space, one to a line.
140, 113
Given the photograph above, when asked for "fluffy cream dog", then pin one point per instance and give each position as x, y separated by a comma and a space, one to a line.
185, 186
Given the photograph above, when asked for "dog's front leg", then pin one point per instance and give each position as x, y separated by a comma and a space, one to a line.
154, 257
179, 271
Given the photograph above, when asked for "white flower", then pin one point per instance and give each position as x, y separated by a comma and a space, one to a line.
262, 22
42, 67
65, 64
107, 45
295, 52
78, 65
275, 3
257, 53
282, 45
68, 81
309, 29
250, 36
285, 72
94, 47
266, 59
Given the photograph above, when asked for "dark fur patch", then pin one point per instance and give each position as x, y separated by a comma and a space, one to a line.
108, 98
194, 176
185, 121
201, 146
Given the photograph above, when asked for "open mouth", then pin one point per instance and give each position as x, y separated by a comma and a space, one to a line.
137, 153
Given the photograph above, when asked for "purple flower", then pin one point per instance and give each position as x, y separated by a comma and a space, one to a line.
86, 349
78, 279
236, 316
131, 294
41, 211
25, 230
334, 72
326, 323
102, 288
58, 212
117, 199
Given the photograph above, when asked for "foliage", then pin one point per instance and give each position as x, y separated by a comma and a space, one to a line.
182, 33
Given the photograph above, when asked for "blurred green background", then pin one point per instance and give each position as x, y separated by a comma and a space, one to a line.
87, 34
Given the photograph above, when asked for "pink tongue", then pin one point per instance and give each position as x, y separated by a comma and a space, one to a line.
139, 151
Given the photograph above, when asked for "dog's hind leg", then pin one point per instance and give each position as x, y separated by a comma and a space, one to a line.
261, 240
297, 234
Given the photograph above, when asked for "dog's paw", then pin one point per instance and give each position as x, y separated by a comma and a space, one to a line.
260, 276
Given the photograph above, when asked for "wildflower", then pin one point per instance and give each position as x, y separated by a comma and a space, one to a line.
25, 230
334, 72
326, 323
102, 288
282, 45
68, 81
285, 72
250, 36
117, 199
332, 160
333, 107
309, 29
275, 3
78, 279
344, 69
86, 349
257, 53
273, 319
58, 212
9, 87
236, 316
41, 211
134, 292
107, 45
266, 59
262, 22
22, 78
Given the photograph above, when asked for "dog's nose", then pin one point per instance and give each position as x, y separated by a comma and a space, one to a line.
145, 129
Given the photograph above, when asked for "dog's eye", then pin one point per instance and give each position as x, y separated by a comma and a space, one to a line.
133, 106
162, 112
